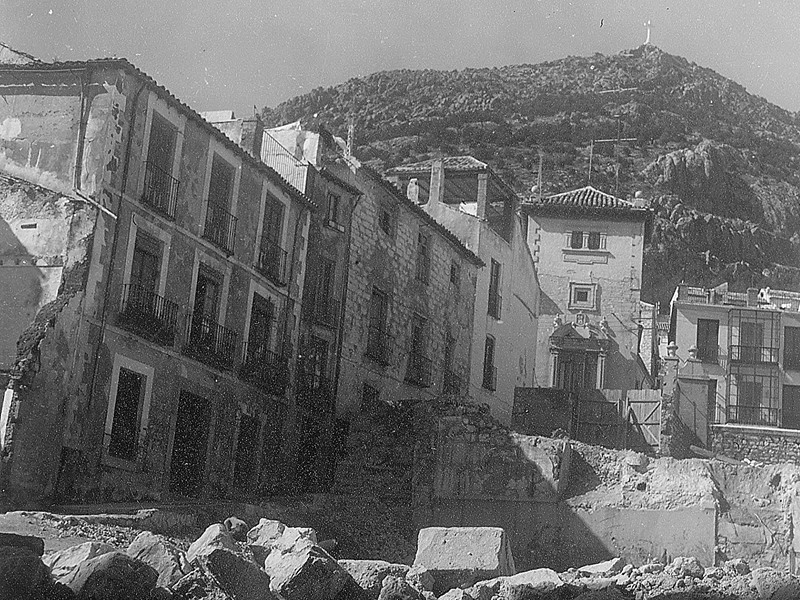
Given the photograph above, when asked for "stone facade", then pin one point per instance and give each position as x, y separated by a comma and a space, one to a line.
760, 444
143, 396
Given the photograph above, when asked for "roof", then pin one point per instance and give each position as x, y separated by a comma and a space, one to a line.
122, 63
451, 163
586, 200
416, 209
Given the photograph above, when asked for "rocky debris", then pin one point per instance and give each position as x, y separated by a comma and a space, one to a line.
159, 553
215, 536
609, 567
420, 578
397, 588
685, 567
66, 561
460, 556
370, 574
112, 576
774, 585
237, 528
240, 579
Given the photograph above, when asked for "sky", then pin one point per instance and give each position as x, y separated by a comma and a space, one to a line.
241, 54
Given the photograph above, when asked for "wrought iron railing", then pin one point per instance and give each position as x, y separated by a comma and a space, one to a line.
160, 189
210, 342
379, 345
147, 314
754, 354
272, 262
293, 169
490, 377
495, 304
220, 226
753, 415
267, 369
418, 370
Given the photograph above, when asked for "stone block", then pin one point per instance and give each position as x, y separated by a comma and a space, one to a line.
304, 571
240, 579
64, 562
369, 574
461, 556
113, 576
159, 553
215, 536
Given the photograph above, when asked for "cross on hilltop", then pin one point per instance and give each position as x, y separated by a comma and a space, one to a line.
649, 26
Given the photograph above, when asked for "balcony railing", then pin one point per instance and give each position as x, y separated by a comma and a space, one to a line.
220, 227
379, 346
754, 354
147, 314
272, 262
160, 189
495, 305
326, 312
418, 370
490, 378
210, 342
268, 370
452, 384
753, 415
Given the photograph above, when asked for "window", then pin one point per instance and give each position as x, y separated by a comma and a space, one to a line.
489, 370
791, 407
594, 240
791, 347
707, 339
220, 225
378, 339
455, 274
271, 446
324, 305
418, 368
314, 364
423, 257
207, 294
385, 221
495, 300
146, 263
583, 296
271, 256
160, 187
751, 340
273, 222
262, 315
452, 384
334, 208
576, 240
127, 414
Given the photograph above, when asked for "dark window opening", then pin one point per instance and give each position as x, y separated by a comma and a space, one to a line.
791, 348
495, 299
246, 446
576, 239
385, 221
127, 413
594, 240
489, 370
455, 274
707, 339
423, 258
334, 207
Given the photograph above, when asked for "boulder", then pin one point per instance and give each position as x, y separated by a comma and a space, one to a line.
113, 576
609, 567
64, 562
461, 556
304, 571
215, 536
237, 528
651, 568
397, 588
288, 537
23, 575
240, 579
369, 574
420, 578
267, 529
159, 553
456, 594
35, 544
737, 566
685, 566
775, 585
537, 581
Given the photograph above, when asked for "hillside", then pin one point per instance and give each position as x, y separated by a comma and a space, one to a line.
719, 164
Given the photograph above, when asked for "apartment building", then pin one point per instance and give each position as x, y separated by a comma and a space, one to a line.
163, 268
466, 197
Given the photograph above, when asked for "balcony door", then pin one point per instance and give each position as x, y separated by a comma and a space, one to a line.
261, 319
576, 371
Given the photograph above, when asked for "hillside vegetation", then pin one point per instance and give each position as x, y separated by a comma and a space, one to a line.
719, 164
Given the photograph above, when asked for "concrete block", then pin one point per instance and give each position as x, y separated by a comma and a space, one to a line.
459, 556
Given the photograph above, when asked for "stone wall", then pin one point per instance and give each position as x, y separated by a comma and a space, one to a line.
761, 444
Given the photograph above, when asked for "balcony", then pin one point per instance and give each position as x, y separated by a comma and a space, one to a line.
754, 354
160, 189
210, 342
147, 314
220, 227
418, 370
452, 384
379, 346
266, 369
326, 312
272, 263
753, 415
490, 378
495, 305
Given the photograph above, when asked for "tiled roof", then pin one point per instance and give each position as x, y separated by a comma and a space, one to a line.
451, 163
122, 63
586, 197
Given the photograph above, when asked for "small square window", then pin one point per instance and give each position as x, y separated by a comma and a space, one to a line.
385, 221
576, 240
594, 240
455, 274
582, 296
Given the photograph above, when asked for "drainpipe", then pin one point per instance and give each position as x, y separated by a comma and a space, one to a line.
115, 240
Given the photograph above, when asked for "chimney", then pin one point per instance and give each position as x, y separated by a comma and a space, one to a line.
483, 185
437, 181
412, 191
752, 296
252, 135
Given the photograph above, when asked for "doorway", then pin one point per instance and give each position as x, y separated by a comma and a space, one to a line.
190, 446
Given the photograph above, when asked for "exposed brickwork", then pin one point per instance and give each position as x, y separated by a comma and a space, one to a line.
760, 444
